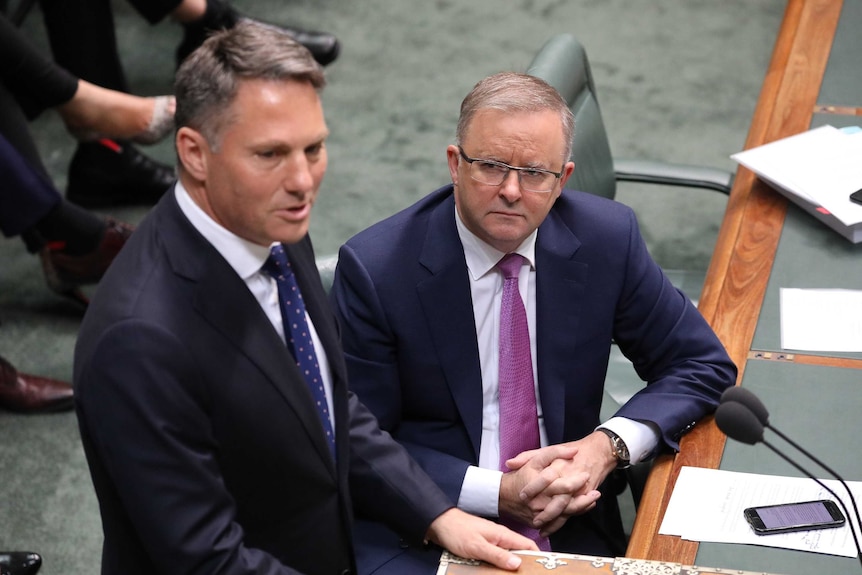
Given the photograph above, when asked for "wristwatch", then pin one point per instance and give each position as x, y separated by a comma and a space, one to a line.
618, 446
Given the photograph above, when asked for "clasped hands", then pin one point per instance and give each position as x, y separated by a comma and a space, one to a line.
546, 486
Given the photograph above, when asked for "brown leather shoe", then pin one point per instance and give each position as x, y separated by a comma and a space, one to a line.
32, 394
65, 273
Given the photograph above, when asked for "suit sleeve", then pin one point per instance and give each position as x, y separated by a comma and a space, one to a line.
671, 346
144, 410
386, 483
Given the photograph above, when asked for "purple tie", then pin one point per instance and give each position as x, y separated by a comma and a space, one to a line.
297, 333
519, 420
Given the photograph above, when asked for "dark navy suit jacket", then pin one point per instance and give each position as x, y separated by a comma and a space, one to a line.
401, 292
205, 448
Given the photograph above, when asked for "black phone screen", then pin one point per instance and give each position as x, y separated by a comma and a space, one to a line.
808, 513
794, 516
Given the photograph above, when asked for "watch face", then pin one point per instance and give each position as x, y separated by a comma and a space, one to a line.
622, 450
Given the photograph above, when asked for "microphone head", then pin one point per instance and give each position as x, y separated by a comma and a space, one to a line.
738, 422
749, 400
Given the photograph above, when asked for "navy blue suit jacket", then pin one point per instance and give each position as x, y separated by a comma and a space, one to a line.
205, 448
401, 292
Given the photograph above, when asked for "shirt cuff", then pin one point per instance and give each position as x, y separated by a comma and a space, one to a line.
640, 438
480, 492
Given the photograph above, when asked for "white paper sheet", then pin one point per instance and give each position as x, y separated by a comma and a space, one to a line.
821, 319
707, 505
823, 165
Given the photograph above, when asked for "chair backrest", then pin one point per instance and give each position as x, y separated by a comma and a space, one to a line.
562, 62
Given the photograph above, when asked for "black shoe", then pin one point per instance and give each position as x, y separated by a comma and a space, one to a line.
19, 562
113, 173
324, 47
219, 15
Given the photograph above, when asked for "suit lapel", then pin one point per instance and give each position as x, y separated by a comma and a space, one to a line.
560, 284
223, 300
448, 308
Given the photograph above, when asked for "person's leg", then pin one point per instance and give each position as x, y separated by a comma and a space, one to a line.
95, 112
31, 207
83, 40
38, 83
26, 196
75, 245
106, 172
35, 81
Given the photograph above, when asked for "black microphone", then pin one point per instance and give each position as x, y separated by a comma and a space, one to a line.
739, 422
747, 398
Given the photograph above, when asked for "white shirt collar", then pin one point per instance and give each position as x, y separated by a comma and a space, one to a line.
481, 257
245, 257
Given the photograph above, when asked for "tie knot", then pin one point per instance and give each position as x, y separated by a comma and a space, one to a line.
510, 265
277, 263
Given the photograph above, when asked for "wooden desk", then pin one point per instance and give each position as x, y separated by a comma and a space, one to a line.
741, 265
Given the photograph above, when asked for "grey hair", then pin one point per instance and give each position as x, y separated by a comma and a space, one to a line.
207, 81
514, 92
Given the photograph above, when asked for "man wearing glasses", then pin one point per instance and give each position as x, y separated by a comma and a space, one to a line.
470, 355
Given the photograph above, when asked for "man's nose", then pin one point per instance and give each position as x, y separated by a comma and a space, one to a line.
298, 177
511, 186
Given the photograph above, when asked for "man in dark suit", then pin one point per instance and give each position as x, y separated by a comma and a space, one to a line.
206, 448
420, 300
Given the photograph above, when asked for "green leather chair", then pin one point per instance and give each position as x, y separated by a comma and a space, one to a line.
563, 63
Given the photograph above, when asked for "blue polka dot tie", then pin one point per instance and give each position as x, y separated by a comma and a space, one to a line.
297, 333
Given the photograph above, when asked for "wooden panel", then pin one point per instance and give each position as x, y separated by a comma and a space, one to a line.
745, 249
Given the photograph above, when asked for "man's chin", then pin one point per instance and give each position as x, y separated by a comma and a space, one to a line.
290, 233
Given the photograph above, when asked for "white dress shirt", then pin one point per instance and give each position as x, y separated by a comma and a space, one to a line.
247, 258
480, 491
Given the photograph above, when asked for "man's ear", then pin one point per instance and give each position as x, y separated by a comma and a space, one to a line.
193, 151
568, 168
452, 156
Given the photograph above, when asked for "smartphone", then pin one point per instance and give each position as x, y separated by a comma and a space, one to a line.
785, 517
856, 197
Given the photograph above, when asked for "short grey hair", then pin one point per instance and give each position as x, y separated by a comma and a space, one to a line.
207, 81
514, 92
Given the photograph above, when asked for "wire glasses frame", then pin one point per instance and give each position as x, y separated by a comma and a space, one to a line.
493, 173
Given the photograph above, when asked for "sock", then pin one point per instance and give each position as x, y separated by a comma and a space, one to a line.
68, 228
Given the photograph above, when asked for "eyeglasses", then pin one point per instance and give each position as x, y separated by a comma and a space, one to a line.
495, 173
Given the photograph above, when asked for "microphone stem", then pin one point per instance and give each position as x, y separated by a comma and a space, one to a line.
824, 466
823, 485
